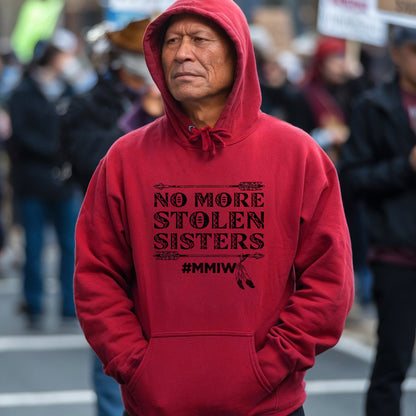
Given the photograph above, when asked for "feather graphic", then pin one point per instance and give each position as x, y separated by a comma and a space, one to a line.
242, 275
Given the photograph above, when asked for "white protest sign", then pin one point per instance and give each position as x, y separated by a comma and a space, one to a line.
355, 20
120, 12
141, 6
400, 12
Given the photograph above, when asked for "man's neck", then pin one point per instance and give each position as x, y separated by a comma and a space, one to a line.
203, 114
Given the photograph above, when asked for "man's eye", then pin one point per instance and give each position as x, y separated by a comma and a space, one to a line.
199, 40
171, 41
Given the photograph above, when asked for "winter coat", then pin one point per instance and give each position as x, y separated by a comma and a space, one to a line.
91, 126
375, 167
37, 164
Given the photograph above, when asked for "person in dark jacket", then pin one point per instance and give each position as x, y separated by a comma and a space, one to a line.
378, 166
40, 178
330, 88
123, 99
91, 124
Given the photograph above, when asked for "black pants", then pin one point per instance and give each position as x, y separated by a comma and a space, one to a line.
395, 298
298, 412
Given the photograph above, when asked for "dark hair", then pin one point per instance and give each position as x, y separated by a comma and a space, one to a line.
400, 35
44, 53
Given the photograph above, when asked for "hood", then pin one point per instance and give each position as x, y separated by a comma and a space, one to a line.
242, 109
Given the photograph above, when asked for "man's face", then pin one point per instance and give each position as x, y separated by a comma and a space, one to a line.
198, 61
404, 57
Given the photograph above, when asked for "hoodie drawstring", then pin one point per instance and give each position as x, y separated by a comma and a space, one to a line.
209, 138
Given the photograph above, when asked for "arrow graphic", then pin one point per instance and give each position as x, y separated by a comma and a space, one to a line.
242, 186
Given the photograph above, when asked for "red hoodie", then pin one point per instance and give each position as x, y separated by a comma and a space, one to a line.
208, 280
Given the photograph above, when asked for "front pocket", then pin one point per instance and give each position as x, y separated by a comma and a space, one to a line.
199, 375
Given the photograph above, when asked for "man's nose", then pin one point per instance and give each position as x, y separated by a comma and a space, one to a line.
185, 50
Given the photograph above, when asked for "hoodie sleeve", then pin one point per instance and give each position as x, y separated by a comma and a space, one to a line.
314, 317
104, 275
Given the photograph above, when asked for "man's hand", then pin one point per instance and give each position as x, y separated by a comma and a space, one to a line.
412, 158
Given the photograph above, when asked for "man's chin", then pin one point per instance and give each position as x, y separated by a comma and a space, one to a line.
184, 95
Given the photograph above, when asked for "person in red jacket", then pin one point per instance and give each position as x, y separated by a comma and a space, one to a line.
213, 259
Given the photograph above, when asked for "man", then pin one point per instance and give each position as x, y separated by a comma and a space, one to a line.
213, 257
378, 165
41, 179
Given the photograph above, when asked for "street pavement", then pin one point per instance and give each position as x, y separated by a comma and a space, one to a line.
48, 372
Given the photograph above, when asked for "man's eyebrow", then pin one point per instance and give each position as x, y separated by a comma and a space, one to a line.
195, 32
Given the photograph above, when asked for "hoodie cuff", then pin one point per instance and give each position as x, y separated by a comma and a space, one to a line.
274, 364
123, 369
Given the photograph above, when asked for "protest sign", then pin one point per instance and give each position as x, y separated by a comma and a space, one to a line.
355, 20
37, 20
407, 7
400, 12
121, 12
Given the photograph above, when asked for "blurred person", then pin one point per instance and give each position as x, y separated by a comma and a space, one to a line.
10, 73
123, 99
378, 165
329, 94
5, 125
212, 244
377, 64
77, 71
40, 178
293, 64
11, 70
5, 133
280, 97
330, 90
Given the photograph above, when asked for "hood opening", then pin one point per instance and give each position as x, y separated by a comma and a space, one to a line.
243, 104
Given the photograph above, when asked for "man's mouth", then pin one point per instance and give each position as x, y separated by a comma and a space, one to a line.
185, 75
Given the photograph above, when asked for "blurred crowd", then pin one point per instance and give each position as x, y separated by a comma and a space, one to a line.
61, 111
